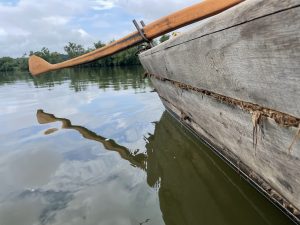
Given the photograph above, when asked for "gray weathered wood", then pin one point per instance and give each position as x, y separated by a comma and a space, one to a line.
256, 61
231, 128
241, 13
251, 53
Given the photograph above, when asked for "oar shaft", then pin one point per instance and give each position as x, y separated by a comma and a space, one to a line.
110, 49
187, 16
155, 29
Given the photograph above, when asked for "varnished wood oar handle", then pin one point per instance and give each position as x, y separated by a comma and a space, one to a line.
155, 29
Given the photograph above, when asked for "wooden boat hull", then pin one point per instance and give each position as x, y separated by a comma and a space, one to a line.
234, 80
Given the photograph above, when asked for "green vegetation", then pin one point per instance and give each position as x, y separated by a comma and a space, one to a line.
8, 64
164, 38
72, 50
52, 57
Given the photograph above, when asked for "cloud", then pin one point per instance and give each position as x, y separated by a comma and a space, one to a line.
103, 4
153, 9
82, 33
27, 25
58, 20
30, 25
2, 32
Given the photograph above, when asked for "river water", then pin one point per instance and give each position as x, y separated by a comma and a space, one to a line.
96, 146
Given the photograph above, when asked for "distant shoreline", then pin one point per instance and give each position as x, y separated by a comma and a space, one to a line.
125, 58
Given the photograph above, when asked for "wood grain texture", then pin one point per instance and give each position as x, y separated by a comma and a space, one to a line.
245, 12
254, 58
187, 16
193, 184
231, 128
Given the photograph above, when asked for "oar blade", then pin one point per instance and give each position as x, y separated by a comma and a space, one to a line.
38, 65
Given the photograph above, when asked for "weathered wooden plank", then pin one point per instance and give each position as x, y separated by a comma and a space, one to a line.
231, 128
242, 13
186, 170
257, 61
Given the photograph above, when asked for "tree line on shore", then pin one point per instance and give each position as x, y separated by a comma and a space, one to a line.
72, 50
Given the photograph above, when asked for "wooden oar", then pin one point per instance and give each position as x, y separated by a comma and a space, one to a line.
155, 29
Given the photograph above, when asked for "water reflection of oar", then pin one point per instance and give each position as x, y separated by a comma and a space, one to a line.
155, 29
137, 160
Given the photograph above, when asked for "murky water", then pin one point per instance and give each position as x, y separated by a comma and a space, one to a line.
96, 147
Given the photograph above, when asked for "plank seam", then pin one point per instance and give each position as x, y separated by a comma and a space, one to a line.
256, 110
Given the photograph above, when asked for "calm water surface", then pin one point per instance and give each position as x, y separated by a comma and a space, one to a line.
96, 147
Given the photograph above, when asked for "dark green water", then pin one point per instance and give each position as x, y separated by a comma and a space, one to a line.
96, 147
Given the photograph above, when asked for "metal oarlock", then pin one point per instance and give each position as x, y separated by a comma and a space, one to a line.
141, 32
142, 23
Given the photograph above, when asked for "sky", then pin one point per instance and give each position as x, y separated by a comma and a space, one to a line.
29, 25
